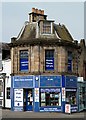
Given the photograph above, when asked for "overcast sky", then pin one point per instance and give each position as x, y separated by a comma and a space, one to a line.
14, 14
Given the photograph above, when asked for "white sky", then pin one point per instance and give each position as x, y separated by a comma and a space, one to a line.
14, 14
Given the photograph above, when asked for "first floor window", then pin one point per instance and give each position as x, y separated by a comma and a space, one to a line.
49, 59
24, 60
50, 97
8, 93
69, 61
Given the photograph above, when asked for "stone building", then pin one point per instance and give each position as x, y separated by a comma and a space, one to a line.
82, 60
44, 66
5, 78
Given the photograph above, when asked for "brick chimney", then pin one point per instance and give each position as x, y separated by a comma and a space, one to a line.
36, 15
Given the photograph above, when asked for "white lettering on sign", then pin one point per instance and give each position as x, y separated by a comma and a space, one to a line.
28, 79
50, 79
18, 97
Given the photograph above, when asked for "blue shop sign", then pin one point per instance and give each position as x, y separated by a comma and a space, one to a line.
50, 109
23, 64
71, 82
49, 63
50, 81
74, 108
22, 81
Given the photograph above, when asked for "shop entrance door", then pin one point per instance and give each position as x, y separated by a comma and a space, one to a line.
28, 99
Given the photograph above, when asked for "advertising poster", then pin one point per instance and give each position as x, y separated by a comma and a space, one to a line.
36, 94
67, 108
18, 97
63, 94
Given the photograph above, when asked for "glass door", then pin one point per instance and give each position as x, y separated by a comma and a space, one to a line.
28, 99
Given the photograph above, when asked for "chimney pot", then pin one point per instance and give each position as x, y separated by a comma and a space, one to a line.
33, 10
42, 12
37, 10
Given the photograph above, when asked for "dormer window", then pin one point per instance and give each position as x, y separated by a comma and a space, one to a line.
46, 27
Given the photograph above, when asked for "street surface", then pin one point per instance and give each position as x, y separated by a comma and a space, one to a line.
16, 114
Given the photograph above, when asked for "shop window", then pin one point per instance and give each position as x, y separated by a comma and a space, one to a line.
69, 61
46, 27
71, 97
49, 59
8, 93
50, 97
24, 60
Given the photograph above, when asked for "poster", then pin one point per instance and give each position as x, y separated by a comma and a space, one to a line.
18, 97
42, 97
63, 94
36, 94
67, 108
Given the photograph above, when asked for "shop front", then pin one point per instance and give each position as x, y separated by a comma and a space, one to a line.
69, 93
22, 93
50, 94
43, 93
81, 94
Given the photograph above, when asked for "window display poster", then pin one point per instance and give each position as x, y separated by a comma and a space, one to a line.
36, 94
63, 94
18, 97
42, 97
67, 108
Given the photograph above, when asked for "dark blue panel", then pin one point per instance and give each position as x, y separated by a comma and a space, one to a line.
50, 81
23, 82
49, 64
23, 64
50, 109
74, 108
69, 65
71, 82
63, 81
36, 106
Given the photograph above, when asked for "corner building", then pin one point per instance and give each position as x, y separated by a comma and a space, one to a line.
44, 66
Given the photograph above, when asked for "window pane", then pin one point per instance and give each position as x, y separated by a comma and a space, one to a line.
24, 60
69, 61
50, 97
47, 27
8, 93
49, 59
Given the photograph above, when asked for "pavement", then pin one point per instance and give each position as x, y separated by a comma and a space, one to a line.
5, 113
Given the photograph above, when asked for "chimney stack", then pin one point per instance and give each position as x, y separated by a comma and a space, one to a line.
38, 11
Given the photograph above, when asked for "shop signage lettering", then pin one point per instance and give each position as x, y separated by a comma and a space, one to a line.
50, 109
74, 109
22, 81
50, 81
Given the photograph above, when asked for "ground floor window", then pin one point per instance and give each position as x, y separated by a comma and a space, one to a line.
50, 97
8, 93
71, 96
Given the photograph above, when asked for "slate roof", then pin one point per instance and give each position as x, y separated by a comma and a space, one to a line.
28, 34
4, 46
